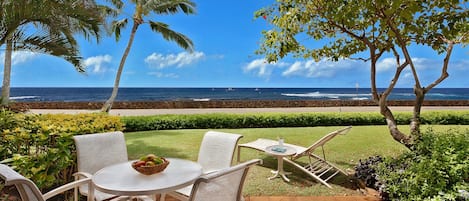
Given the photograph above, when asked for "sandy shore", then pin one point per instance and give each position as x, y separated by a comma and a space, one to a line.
144, 112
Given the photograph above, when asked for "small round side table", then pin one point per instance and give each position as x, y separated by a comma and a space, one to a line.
273, 150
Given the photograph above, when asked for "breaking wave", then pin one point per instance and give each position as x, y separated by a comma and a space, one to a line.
329, 95
23, 97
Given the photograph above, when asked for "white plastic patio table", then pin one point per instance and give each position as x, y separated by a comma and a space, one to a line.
122, 179
288, 152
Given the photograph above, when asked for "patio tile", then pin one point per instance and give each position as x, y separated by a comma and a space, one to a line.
304, 198
312, 198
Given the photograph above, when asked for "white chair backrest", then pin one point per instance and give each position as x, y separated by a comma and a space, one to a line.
95, 151
224, 185
217, 150
26, 188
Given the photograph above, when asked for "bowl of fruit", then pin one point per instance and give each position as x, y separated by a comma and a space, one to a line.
150, 164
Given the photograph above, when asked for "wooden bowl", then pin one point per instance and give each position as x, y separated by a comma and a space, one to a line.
149, 170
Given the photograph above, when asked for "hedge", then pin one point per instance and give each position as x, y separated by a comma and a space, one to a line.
272, 120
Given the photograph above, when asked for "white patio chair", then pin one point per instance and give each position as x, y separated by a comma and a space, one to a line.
318, 168
223, 185
96, 151
216, 152
28, 190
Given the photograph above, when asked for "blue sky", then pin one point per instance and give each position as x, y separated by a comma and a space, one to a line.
225, 35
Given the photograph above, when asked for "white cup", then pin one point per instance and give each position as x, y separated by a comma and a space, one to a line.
280, 141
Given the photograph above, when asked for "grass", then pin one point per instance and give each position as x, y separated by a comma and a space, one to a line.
345, 151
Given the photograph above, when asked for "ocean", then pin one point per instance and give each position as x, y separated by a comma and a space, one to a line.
32, 94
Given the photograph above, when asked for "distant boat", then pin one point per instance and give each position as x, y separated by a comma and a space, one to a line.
230, 89
256, 89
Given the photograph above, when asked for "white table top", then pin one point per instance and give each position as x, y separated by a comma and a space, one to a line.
122, 179
289, 150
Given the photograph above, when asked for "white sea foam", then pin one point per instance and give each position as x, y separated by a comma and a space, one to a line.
201, 99
428, 95
442, 94
327, 95
404, 94
23, 97
360, 98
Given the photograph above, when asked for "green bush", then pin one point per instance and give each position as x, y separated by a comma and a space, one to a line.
438, 169
272, 120
41, 147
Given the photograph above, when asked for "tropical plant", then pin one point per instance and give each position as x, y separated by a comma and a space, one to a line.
373, 27
438, 169
46, 27
144, 8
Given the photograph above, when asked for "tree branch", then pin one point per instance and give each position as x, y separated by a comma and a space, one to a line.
444, 69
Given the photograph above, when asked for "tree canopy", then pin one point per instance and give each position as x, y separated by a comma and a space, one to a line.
373, 27
47, 27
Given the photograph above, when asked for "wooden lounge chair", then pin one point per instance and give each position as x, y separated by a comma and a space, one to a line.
318, 168
29, 191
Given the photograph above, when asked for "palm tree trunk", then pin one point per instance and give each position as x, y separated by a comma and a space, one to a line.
108, 105
7, 74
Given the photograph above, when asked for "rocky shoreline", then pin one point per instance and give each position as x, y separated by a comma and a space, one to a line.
227, 104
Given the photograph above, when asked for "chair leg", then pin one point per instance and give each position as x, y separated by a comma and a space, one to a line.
307, 172
239, 154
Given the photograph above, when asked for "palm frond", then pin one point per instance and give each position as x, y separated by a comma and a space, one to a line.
57, 46
83, 18
168, 34
117, 3
170, 6
117, 26
56, 23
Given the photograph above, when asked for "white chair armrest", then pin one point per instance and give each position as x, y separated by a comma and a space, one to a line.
66, 187
82, 174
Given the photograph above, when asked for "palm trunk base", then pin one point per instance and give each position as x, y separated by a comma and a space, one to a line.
106, 107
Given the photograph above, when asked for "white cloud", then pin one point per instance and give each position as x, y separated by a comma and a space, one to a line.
263, 68
428, 69
388, 64
323, 68
160, 61
163, 75
460, 65
19, 57
97, 63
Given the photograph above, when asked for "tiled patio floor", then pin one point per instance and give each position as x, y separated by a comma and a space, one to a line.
314, 198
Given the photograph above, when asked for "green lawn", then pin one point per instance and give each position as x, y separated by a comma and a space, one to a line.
345, 151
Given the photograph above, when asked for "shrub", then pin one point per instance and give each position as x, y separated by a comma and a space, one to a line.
438, 169
365, 171
41, 148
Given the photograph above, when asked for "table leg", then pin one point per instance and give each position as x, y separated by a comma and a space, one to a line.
162, 196
280, 172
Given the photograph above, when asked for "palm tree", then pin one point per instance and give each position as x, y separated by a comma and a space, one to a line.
54, 25
144, 8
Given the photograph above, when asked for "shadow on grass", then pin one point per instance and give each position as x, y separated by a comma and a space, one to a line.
142, 148
301, 179
171, 133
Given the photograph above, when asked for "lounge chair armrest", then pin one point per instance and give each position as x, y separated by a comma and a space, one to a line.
66, 187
